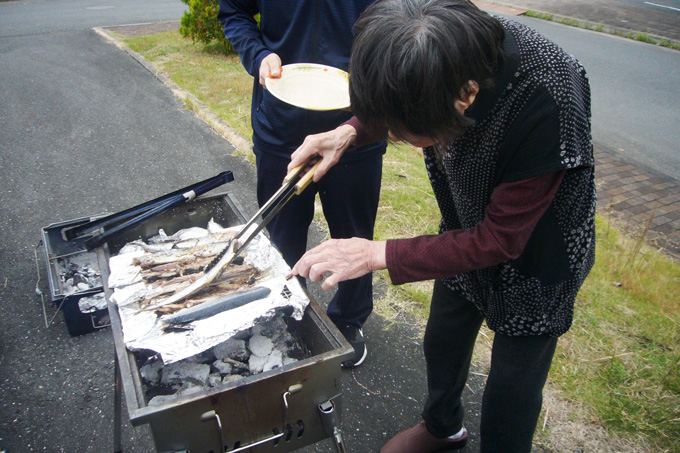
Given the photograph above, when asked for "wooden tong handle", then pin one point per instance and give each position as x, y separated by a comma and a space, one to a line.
307, 177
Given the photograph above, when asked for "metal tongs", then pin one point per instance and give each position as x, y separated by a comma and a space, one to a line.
293, 184
137, 214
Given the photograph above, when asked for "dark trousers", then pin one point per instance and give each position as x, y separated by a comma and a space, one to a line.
349, 195
513, 394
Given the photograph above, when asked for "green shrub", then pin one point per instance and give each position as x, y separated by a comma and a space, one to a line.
201, 25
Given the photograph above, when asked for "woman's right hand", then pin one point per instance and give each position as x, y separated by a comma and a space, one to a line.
329, 145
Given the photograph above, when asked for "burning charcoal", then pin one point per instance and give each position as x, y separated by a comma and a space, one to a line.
214, 380
260, 346
185, 373
151, 372
223, 367
233, 348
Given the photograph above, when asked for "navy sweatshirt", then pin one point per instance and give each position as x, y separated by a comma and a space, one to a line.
298, 31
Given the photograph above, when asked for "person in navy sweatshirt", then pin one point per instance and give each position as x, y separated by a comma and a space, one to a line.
308, 31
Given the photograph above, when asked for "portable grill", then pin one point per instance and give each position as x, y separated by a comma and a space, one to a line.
283, 409
56, 251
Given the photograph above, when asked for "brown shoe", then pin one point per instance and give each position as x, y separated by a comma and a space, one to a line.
419, 440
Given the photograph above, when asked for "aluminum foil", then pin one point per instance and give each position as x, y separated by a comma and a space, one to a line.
143, 329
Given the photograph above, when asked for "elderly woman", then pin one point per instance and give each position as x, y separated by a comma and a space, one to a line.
503, 116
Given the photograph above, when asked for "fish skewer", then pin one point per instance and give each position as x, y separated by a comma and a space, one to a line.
295, 182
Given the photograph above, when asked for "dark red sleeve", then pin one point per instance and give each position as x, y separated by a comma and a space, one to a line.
511, 216
364, 136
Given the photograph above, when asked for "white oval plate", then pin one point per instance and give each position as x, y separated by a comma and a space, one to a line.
311, 86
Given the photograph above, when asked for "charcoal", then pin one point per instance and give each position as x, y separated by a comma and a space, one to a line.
189, 388
288, 360
264, 347
92, 303
215, 380
223, 367
203, 357
275, 360
230, 378
151, 372
260, 346
238, 367
185, 372
256, 364
232, 348
79, 273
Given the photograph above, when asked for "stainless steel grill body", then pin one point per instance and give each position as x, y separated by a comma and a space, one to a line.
275, 411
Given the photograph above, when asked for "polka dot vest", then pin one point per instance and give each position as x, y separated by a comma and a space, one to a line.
535, 293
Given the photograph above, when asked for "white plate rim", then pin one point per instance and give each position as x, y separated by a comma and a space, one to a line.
271, 83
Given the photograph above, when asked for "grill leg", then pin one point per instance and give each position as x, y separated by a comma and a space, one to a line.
116, 407
330, 423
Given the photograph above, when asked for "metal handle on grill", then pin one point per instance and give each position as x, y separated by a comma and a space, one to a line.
329, 417
207, 416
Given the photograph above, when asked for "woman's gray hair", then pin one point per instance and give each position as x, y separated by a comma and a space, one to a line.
411, 59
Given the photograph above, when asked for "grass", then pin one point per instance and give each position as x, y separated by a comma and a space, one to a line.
620, 362
622, 355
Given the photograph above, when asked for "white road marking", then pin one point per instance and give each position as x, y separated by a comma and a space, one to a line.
662, 6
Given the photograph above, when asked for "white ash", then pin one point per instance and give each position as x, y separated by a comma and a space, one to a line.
262, 348
89, 304
79, 272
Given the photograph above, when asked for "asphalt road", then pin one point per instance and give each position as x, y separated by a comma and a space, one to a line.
658, 17
86, 130
635, 96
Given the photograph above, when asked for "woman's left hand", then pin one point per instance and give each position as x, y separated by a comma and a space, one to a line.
329, 145
342, 259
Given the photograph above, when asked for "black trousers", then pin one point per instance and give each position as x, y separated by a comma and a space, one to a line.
513, 394
349, 195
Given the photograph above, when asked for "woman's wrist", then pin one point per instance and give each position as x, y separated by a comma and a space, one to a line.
378, 260
346, 136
